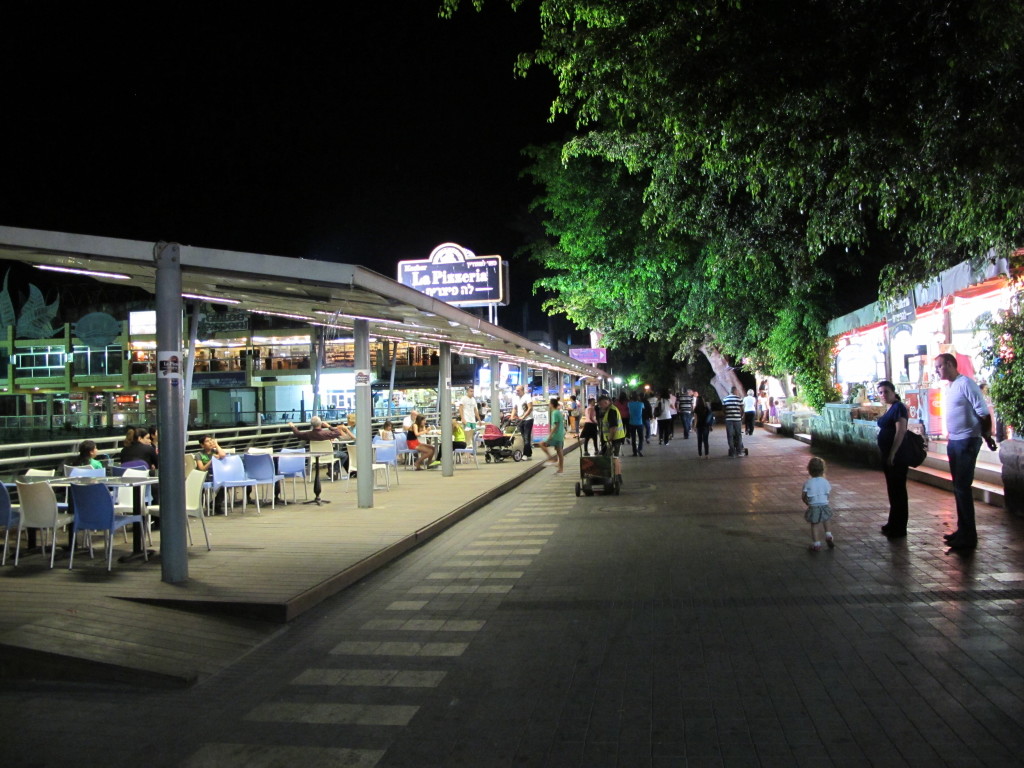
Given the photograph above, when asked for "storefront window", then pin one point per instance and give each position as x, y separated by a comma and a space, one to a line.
104, 361
40, 362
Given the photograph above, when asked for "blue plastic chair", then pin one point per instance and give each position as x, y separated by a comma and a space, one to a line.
229, 473
386, 452
293, 466
9, 518
94, 511
403, 450
260, 467
470, 449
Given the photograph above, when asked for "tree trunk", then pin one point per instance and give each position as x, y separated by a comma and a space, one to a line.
725, 377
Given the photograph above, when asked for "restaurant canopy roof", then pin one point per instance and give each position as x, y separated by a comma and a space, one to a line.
317, 293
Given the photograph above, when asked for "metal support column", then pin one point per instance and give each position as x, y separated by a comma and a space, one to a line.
364, 413
170, 413
495, 397
444, 408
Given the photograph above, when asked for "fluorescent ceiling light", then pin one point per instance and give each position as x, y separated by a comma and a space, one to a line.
346, 316
280, 314
211, 299
87, 272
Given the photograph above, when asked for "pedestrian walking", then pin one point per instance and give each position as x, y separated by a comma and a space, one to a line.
702, 425
968, 422
524, 412
589, 431
892, 427
732, 404
636, 427
815, 495
686, 411
663, 413
749, 412
556, 436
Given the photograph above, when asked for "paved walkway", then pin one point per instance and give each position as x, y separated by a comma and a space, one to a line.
263, 570
683, 623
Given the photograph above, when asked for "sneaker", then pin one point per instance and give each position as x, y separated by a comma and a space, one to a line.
559, 473
830, 541
815, 547
434, 464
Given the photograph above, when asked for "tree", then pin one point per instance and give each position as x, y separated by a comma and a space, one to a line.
791, 147
891, 125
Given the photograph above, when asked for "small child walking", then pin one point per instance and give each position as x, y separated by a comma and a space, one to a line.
815, 496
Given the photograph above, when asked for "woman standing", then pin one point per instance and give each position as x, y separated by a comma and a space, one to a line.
700, 423
892, 427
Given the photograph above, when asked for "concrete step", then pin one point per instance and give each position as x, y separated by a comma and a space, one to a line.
984, 491
984, 471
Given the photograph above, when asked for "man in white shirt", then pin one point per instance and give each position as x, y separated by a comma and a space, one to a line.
469, 409
968, 422
410, 417
749, 411
524, 412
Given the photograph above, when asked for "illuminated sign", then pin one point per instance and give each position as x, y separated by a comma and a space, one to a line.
457, 276
901, 310
589, 355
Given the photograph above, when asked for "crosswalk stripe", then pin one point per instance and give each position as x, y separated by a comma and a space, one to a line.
425, 625
475, 575
225, 755
461, 589
390, 648
332, 714
371, 678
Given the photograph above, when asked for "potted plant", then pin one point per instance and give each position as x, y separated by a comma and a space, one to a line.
1005, 358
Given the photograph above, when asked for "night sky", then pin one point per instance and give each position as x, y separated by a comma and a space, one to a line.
364, 135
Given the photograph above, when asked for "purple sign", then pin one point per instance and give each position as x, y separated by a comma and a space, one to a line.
589, 355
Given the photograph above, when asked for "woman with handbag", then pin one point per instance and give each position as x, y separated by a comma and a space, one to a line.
892, 427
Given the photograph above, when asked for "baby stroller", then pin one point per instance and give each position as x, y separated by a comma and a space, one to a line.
503, 443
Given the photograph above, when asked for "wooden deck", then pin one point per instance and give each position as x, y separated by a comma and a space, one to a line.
130, 627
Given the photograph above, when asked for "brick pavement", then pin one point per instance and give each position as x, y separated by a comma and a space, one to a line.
682, 623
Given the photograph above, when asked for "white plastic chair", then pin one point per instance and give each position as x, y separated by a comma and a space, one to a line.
193, 504
325, 446
39, 510
376, 467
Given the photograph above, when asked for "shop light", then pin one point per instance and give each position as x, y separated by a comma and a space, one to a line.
86, 272
211, 299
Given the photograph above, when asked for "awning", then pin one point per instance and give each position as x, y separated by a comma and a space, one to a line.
317, 293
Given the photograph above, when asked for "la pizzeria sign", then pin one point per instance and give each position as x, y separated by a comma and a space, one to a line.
457, 276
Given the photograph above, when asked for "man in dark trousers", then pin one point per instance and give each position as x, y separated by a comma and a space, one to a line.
968, 422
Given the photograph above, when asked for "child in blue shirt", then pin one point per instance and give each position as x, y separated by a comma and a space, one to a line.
815, 496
